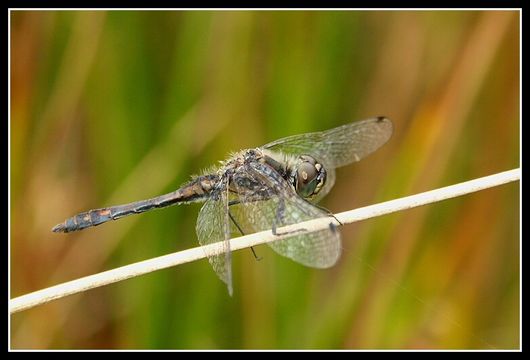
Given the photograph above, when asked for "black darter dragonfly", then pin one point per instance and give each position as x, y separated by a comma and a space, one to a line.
265, 188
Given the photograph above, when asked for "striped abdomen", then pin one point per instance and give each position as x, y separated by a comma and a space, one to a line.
196, 190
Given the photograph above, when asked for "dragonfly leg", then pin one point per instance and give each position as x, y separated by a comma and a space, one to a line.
235, 223
330, 214
258, 258
334, 217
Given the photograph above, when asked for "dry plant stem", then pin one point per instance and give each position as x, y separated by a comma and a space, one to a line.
144, 267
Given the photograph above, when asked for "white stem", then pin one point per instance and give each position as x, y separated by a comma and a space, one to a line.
144, 267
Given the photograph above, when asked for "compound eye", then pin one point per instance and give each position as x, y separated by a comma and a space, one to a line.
306, 179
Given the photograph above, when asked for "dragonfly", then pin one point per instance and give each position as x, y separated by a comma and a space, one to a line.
264, 188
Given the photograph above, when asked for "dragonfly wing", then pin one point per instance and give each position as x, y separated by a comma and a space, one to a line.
281, 206
213, 228
339, 146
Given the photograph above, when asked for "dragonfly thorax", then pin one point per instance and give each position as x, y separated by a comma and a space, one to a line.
304, 173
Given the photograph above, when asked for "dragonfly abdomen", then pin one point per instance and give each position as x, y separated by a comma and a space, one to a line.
84, 220
196, 190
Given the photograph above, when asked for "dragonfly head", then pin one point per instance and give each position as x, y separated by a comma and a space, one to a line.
309, 176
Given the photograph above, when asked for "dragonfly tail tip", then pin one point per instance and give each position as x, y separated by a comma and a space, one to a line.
59, 228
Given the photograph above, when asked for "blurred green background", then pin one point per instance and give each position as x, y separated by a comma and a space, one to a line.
118, 106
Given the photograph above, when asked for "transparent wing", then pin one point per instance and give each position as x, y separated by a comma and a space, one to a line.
271, 202
213, 227
339, 146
